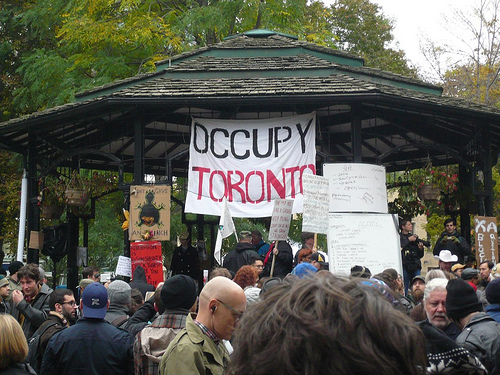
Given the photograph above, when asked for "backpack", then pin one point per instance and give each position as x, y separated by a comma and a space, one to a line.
34, 355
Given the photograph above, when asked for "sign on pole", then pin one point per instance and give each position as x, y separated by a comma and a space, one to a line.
280, 220
316, 201
124, 266
486, 234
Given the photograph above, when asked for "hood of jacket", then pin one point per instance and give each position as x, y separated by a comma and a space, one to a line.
139, 274
242, 246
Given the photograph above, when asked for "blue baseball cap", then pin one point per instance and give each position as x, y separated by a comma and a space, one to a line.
95, 301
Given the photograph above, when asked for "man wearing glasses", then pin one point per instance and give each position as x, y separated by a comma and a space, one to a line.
62, 314
451, 240
198, 348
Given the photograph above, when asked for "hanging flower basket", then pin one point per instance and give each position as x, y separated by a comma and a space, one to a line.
51, 211
76, 197
428, 193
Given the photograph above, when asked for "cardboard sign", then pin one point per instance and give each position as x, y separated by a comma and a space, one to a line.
316, 200
124, 266
36, 240
486, 234
149, 213
280, 220
148, 255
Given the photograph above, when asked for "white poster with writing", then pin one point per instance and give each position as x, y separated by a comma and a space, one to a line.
316, 204
250, 162
369, 240
280, 220
124, 266
356, 187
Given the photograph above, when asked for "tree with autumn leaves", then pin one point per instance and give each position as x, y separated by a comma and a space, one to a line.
52, 49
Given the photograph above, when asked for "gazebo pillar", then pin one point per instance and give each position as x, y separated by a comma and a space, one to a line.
488, 175
356, 138
33, 212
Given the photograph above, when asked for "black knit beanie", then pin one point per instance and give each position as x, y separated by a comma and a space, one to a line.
461, 299
493, 291
179, 292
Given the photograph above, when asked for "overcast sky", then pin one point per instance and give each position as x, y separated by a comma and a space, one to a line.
412, 19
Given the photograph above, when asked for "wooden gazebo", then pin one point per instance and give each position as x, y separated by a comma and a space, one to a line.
141, 124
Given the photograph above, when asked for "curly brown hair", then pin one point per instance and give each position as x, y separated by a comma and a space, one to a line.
305, 255
246, 276
326, 325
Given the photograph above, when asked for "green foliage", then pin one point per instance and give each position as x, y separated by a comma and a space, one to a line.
105, 232
361, 29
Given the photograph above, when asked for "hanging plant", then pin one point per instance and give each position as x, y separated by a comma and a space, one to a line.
83, 186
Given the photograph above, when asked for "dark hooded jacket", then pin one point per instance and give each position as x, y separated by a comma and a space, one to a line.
242, 255
140, 282
455, 243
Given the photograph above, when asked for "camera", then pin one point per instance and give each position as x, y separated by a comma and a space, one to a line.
423, 242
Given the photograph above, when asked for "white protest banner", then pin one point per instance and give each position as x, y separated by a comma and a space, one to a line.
124, 266
356, 187
250, 162
316, 203
280, 220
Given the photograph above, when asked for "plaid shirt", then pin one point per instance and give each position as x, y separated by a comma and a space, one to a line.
159, 334
211, 334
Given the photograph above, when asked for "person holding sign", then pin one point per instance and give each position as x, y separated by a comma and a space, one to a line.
412, 249
283, 263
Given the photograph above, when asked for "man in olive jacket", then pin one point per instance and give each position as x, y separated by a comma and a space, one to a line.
198, 348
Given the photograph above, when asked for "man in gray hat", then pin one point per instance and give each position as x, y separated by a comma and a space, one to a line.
119, 303
4, 294
242, 255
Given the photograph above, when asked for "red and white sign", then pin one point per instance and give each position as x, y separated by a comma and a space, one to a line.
148, 255
250, 162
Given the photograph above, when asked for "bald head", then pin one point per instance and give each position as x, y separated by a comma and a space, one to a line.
219, 287
222, 301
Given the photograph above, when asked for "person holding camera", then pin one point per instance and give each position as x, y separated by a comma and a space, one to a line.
450, 240
412, 249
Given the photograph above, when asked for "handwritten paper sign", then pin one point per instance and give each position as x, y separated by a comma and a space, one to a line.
124, 266
486, 233
280, 220
356, 187
369, 240
316, 204
148, 255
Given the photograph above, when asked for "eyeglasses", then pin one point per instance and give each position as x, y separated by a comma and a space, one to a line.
237, 313
97, 275
71, 303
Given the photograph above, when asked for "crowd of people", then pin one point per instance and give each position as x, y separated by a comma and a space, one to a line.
264, 311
